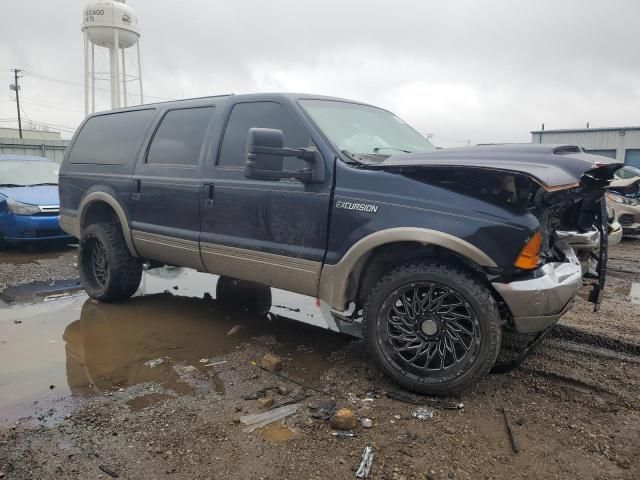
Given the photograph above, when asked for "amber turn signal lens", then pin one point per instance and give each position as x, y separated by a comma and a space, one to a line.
528, 258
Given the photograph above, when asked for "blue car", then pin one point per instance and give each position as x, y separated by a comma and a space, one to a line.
29, 202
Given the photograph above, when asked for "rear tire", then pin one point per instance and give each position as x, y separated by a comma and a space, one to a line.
432, 328
250, 296
108, 271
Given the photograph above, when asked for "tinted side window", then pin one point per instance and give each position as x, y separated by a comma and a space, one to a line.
179, 137
260, 115
111, 139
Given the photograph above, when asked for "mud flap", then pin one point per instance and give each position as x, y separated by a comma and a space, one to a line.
602, 222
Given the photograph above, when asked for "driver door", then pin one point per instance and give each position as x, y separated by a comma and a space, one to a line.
271, 232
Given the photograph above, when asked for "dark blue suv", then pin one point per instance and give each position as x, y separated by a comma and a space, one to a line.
428, 254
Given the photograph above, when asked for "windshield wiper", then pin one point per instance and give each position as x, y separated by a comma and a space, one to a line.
377, 149
362, 157
42, 184
10, 185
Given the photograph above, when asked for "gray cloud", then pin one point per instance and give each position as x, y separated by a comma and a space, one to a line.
478, 71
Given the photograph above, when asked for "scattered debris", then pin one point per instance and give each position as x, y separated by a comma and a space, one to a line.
259, 393
17, 321
326, 411
512, 437
366, 422
155, 362
258, 420
423, 413
266, 402
204, 360
213, 364
234, 330
51, 387
109, 472
271, 362
283, 390
295, 399
344, 419
302, 384
430, 402
344, 434
365, 464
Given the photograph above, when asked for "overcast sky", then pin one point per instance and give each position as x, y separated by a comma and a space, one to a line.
465, 71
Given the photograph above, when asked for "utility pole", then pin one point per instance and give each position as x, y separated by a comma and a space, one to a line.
16, 88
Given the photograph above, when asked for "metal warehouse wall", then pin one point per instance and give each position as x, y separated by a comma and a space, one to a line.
619, 139
52, 149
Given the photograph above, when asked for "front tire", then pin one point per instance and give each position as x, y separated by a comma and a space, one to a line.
432, 328
108, 271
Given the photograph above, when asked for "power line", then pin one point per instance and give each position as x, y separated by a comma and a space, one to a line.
79, 85
48, 105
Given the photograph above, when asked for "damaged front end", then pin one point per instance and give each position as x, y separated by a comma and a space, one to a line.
564, 188
573, 225
574, 229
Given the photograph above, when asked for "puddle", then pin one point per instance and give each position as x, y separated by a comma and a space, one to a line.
144, 401
83, 348
634, 294
40, 291
277, 432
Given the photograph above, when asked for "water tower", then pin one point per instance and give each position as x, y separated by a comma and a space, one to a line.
113, 25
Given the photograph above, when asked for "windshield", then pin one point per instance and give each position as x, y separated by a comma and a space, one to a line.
628, 172
363, 129
22, 173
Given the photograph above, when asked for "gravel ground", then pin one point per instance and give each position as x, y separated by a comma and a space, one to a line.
573, 407
19, 266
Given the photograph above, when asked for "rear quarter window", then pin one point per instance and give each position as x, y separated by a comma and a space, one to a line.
111, 139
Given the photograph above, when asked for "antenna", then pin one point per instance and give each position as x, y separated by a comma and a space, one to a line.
110, 24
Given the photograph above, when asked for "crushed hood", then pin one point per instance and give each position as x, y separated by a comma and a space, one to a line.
553, 166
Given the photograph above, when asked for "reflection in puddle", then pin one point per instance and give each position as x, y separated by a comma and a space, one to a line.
144, 401
635, 292
83, 347
40, 291
276, 432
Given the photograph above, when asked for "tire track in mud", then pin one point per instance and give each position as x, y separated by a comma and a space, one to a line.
602, 342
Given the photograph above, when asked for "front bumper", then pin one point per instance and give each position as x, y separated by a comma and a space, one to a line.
540, 300
29, 228
628, 216
615, 234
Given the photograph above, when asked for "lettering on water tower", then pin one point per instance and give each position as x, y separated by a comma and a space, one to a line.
91, 14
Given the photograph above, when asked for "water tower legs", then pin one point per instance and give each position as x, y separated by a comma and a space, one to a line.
115, 70
86, 74
140, 73
124, 79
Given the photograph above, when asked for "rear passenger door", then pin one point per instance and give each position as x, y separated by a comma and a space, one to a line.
166, 188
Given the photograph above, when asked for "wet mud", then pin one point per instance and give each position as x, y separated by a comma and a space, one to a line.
151, 388
79, 347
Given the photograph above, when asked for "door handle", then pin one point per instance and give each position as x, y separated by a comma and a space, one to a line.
210, 192
136, 194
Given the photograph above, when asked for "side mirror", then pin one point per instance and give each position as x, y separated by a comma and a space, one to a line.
265, 158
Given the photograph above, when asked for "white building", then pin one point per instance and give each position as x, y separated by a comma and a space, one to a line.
622, 143
43, 143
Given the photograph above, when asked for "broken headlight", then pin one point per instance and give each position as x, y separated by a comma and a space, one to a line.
19, 208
